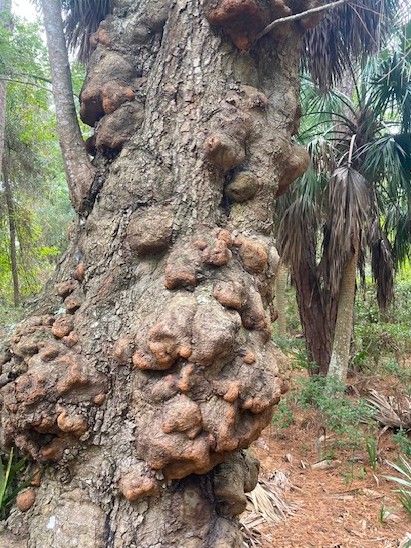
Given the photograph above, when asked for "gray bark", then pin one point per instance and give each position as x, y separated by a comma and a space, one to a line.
141, 396
340, 357
80, 172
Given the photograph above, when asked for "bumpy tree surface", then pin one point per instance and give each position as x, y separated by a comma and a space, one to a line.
148, 367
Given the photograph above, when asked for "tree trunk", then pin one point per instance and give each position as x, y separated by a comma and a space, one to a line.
340, 357
316, 317
80, 172
5, 7
11, 216
281, 299
144, 391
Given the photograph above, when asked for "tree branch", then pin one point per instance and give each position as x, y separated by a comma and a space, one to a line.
9, 79
299, 16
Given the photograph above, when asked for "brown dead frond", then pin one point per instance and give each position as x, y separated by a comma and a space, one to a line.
266, 505
392, 411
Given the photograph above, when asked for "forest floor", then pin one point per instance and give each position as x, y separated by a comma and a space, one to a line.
346, 505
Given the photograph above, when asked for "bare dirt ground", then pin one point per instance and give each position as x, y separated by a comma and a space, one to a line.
345, 506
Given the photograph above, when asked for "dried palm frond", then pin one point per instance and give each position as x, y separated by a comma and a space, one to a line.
266, 505
392, 411
382, 265
345, 34
348, 204
82, 19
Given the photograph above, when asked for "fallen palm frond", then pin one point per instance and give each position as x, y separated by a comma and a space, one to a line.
266, 505
392, 411
403, 468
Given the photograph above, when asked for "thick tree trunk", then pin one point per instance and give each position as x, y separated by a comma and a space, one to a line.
11, 217
79, 170
161, 370
340, 357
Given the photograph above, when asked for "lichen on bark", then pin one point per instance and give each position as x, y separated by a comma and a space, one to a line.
149, 367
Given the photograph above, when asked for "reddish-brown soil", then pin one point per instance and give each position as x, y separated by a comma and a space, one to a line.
340, 507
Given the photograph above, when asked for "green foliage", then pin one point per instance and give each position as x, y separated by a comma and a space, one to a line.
403, 440
11, 469
371, 445
403, 468
283, 416
341, 414
382, 340
33, 165
295, 349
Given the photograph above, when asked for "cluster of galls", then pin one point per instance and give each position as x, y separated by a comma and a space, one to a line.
243, 20
112, 98
237, 144
49, 389
205, 372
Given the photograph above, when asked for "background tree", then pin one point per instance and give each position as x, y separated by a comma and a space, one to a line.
360, 174
35, 188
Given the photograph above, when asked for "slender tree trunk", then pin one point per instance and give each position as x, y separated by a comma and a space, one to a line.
340, 357
5, 7
79, 170
281, 299
11, 216
142, 395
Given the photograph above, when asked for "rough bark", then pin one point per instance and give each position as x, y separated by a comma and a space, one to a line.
138, 385
80, 172
11, 217
340, 357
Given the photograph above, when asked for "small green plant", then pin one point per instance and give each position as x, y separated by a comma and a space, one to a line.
284, 416
402, 439
403, 468
384, 514
354, 473
371, 445
11, 469
341, 414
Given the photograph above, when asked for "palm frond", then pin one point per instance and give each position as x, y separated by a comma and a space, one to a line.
81, 19
346, 34
391, 411
299, 222
265, 505
348, 213
382, 266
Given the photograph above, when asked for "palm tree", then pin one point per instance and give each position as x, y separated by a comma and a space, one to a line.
356, 195
81, 20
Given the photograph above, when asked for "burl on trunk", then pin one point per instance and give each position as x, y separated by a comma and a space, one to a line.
148, 367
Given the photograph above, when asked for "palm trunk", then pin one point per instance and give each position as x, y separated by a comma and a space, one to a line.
281, 299
143, 394
316, 315
11, 216
80, 172
340, 356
